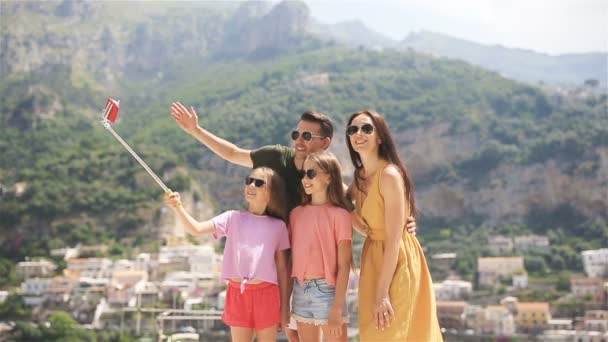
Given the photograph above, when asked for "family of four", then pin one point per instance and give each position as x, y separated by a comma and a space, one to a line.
288, 255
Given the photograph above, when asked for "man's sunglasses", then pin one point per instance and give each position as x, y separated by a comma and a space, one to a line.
307, 136
257, 182
365, 128
310, 173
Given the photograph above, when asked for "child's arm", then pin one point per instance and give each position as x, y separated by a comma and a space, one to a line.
192, 226
344, 259
284, 285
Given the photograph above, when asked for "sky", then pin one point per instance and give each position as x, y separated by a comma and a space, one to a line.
547, 26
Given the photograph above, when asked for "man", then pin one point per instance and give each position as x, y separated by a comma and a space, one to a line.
313, 133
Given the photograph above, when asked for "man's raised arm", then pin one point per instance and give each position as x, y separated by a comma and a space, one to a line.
188, 121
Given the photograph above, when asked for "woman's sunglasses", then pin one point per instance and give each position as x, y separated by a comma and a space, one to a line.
310, 173
365, 128
307, 136
257, 182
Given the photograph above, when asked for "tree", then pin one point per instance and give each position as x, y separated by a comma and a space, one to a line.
62, 327
7, 268
14, 308
563, 281
536, 264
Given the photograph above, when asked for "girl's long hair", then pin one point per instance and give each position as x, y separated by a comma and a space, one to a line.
277, 204
328, 163
386, 151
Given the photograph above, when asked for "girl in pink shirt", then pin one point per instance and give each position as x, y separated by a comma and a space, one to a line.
255, 256
321, 234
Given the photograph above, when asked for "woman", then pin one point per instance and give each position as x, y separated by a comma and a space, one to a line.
396, 297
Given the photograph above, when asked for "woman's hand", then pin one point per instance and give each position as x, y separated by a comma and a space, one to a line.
335, 321
173, 200
383, 313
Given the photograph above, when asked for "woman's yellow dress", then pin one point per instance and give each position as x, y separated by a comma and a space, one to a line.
411, 290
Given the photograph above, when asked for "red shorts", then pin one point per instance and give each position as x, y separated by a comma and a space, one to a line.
259, 307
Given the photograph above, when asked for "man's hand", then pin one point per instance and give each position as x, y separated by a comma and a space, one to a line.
411, 225
186, 119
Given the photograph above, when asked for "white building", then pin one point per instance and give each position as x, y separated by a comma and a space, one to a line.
167, 253
450, 290
66, 253
596, 320
202, 261
125, 285
36, 268
590, 336
90, 267
34, 289
588, 287
558, 336
520, 280
123, 265
531, 242
444, 259
206, 263
595, 262
560, 324
60, 288
35, 286
498, 321
491, 269
143, 262
500, 244
221, 300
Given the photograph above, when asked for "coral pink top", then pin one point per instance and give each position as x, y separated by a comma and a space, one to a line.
316, 231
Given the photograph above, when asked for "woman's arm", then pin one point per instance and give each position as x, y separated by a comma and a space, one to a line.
284, 285
192, 226
392, 190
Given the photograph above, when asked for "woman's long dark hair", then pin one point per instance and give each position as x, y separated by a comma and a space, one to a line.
328, 163
386, 151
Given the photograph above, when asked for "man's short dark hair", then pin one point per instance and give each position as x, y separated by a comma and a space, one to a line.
327, 127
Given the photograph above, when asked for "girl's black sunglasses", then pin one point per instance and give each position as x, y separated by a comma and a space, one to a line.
257, 182
307, 136
310, 173
365, 128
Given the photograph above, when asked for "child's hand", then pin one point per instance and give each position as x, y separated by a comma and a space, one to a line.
335, 322
285, 318
173, 200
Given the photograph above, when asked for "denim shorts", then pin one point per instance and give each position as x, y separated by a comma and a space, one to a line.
312, 301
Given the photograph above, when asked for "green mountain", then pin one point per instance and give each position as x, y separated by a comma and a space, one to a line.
488, 154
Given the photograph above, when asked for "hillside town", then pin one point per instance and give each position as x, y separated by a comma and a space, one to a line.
179, 290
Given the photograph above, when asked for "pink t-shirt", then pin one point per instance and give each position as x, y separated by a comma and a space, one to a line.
316, 231
251, 244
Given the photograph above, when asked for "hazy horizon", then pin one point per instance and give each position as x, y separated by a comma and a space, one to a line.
568, 26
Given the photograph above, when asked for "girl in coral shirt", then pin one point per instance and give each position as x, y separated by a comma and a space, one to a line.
255, 256
321, 234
